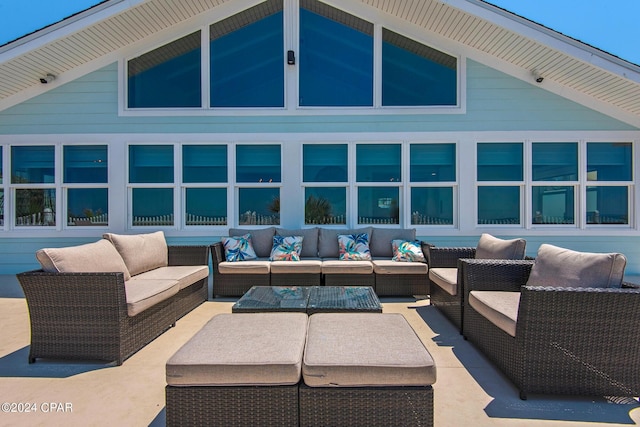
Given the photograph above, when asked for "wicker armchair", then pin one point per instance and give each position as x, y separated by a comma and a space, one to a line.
444, 271
578, 341
83, 316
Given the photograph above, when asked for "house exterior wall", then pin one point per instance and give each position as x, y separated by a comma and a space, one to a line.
497, 108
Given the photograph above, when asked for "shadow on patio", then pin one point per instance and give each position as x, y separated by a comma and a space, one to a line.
505, 401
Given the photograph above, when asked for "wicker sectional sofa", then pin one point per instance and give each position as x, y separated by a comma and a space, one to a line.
107, 299
319, 263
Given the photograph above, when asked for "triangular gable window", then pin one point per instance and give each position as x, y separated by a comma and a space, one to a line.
343, 61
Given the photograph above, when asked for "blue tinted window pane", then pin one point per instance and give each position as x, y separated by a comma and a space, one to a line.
87, 206
204, 163
378, 163
500, 162
378, 205
609, 161
1, 167
556, 161
433, 162
415, 74
499, 205
206, 206
553, 205
325, 205
247, 58
33, 164
1, 207
325, 163
258, 163
336, 57
168, 76
150, 163
85, 163
152, 206
35, 207
432, 205
607, 205
259, 206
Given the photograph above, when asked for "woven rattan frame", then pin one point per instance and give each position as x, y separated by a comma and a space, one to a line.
232, 285
366, 406
232, 406
83, 316
447, 304
296, 279
577, 341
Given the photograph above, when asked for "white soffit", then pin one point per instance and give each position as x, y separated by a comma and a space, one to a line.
593, 76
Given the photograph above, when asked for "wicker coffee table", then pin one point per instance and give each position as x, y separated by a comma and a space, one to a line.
309, 299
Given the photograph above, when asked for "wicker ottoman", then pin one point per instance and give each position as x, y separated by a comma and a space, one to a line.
365, 369
238, 370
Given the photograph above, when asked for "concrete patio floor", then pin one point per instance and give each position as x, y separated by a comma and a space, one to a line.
469, 390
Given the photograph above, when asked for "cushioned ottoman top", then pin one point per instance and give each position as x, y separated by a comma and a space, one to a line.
242, 349
365, 349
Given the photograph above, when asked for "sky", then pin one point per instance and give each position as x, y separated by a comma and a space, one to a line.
609, 25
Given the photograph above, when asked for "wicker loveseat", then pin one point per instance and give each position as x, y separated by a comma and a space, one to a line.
562, 324
319, 263
107, 299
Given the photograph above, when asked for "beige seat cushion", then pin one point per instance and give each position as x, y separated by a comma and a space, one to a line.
96, 257
185, 275
141, 252
145, 293
346, 267
498, 307
244, 267
445, 278
242, 349
555, 266
365, 349
385, 266
297, 267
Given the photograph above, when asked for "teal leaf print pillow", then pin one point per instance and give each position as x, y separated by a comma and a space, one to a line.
407, 251
286, 248
354, 247
238, 248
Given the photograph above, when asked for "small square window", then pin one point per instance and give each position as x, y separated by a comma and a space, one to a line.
258, 163
499, 205
206, 206
85, 164
87, 207
378, 163
35, 207
378, 205
431, 206
553, 205
259, 206
325, 205
33, 164
152, 206
151, 163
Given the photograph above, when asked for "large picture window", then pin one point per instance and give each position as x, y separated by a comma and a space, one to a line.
414, 74
85, 178
167, 77
247, 58
259, 175
379, 164
432, 172
205, 178
323, 166
500, 175
151, 204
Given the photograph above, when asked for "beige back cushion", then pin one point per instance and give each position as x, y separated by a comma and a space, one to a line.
562, 267
141, 252
97, 257
490, 247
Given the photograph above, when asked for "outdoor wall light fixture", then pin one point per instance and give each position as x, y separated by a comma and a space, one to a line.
47, 79
291, 57
537, 76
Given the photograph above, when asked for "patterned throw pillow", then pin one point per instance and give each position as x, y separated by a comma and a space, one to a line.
286, 248
238, 248
407, 250
354, 247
